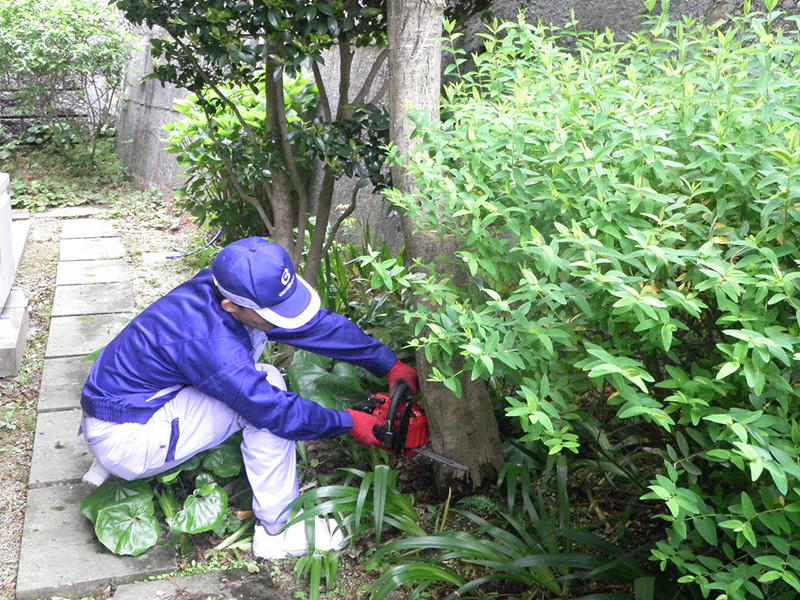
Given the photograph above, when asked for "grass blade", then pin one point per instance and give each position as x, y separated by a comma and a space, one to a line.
380, 490
413, 573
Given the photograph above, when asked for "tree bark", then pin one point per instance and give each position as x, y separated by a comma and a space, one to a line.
463, 429
281, 197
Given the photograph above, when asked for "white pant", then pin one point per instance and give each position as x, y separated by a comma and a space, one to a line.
189, 424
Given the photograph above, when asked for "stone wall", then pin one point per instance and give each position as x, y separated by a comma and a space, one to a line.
146, 108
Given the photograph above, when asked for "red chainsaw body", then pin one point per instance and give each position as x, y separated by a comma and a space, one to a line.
417, 435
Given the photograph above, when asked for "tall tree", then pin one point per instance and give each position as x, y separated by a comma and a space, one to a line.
463, 428
214, 44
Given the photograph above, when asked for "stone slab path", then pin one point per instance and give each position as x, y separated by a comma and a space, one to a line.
60, 555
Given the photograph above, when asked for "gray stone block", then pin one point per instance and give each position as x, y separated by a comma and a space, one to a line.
62, 383
60, 555
80, 336
20, 230
224, 585
69, 212
98, 298
87, 228
60, 455
13, 332
92, 271
91, 249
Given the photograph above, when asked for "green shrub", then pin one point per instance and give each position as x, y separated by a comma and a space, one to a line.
628, 212
207, 150
65, 58
189, 499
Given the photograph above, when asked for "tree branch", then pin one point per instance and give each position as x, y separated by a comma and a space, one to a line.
335, 227
345, 67
323, 93
381, 92
289, 161
373, 72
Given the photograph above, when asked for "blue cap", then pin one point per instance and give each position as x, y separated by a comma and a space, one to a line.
258, 274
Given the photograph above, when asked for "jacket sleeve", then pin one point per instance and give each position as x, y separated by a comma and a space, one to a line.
226, 371
335, 336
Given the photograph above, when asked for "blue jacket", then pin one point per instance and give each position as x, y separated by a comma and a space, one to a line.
185, 338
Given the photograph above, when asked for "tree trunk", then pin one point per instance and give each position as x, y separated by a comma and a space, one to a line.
463, 429
323, 215
281, 194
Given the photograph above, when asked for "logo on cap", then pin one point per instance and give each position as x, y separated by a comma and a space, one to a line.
287, 280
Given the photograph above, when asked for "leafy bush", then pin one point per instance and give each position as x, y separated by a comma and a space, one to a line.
66, 60
211, 144
629, 220
355, 288
188, 498
207, 150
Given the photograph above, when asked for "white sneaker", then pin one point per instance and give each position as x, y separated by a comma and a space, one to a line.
96, 475
292, 541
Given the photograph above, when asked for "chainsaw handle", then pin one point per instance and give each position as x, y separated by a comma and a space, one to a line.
398, 393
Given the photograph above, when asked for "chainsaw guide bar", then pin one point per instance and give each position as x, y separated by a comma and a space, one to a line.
404, 431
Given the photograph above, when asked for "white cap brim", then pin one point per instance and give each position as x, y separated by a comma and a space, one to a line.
285, 314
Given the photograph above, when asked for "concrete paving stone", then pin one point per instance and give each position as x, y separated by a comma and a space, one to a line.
87, 228
60, 455
221, 585
91, 249
92, 299
60, 555
62, 383
70, 212
75, 272
80, 336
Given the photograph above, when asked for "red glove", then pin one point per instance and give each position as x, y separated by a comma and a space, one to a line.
363, 424
402, 372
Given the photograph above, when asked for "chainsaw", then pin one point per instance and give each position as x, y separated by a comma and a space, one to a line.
404, 431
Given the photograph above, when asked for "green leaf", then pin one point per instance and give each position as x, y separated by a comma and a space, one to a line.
202, 511
707, 528
110, 492
380, 491
748, 509
416, 573
727, 369
128, 526
224, 461
791, 579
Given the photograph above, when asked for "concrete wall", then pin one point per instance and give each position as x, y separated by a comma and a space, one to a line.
620, 16
146, 107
